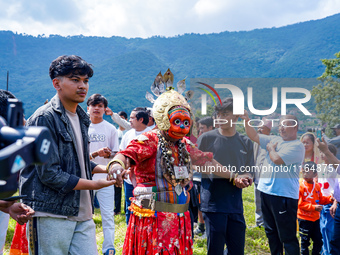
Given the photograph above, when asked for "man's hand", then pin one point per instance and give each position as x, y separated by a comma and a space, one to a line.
103, 152
250, 131
108, 111
21, 212
243, 181
322, 145
333, 208
245, 116
117, 173
102, 183
318, 208
271, 147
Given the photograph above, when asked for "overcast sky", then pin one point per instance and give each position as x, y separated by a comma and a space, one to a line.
146, 18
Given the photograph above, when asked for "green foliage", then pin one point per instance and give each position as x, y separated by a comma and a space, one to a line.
332, 67
210, 112
327, 94
125, 68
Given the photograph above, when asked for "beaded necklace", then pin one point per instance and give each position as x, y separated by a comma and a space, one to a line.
168, 161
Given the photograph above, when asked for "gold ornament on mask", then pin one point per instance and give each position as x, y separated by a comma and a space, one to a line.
164, 103
167, 97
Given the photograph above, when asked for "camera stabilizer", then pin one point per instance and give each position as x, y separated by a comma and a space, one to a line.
20, 146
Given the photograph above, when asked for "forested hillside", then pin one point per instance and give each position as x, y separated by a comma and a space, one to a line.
125, 68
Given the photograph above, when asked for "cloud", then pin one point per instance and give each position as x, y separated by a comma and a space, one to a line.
136, 18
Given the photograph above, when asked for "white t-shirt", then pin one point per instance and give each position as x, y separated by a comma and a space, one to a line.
127, 138
121, 133
282, 180
102, 135
327, 179
152, 126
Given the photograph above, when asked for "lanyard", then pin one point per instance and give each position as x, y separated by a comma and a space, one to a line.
310, 194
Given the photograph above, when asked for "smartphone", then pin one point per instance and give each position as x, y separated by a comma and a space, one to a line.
14, 198
318, 134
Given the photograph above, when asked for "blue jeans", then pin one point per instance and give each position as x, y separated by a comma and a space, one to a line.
335, 241
62, 236
326, 227
128, 188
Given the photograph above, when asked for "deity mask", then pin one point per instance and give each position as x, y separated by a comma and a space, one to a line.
161, 108
180, 121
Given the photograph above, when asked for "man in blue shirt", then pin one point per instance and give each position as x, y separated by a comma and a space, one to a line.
279, 183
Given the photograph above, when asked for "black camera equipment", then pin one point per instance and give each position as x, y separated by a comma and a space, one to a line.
20, 146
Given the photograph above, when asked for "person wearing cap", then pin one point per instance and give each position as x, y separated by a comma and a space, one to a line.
335, 140
259, 156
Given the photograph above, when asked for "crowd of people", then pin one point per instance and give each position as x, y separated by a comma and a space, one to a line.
171, 177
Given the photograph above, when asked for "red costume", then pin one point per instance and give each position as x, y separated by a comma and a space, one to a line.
150, 231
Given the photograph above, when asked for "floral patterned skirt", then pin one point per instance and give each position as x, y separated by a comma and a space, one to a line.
161, 234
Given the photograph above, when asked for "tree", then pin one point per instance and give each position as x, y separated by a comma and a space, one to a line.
327, 94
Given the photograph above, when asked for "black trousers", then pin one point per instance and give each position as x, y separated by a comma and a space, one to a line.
279, 215
310, 230
225, 228
118, 199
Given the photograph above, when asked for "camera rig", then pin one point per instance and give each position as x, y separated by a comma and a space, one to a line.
20, 146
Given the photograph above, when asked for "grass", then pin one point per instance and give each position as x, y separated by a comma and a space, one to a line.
256, 241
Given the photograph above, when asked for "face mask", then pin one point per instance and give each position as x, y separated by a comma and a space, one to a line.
179, 123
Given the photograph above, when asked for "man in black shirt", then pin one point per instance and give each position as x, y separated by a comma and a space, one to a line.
221, 199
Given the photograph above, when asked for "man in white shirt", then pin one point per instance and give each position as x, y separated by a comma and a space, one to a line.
151, 123
139, 119
103, 143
